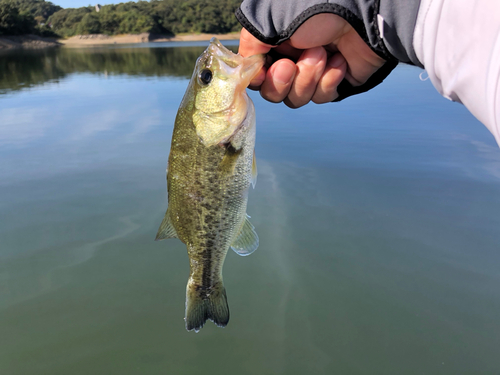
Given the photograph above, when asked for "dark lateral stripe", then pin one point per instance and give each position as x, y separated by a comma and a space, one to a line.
206, 276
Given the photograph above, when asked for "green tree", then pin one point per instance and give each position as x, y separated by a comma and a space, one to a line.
41, 10
89, 24
133, 23
156, 16
110, 22
15, 22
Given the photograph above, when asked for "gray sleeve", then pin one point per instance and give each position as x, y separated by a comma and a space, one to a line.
387, 26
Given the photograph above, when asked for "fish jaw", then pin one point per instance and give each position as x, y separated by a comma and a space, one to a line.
248, 66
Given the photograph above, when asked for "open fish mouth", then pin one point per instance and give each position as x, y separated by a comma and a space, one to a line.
247, 67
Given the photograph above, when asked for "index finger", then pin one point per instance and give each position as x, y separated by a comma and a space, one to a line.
249, 46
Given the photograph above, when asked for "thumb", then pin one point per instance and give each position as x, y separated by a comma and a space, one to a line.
250, 45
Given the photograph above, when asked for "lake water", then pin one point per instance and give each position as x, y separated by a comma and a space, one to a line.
378, 218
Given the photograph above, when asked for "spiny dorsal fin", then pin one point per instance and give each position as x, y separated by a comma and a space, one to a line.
247, 241
254, 170
166, 229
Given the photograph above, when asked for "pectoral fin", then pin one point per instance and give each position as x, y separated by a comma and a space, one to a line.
247, 241
166, 229
228, 163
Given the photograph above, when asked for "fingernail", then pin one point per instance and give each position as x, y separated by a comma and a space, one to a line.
284, 73
312, 56
336, 61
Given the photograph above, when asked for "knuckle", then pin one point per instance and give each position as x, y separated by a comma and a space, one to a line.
318, 100
291, 104
323, 97
271, 97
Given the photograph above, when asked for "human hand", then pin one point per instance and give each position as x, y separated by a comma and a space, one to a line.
323, 51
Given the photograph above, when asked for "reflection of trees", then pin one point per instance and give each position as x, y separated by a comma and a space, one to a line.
30, 68
25, 69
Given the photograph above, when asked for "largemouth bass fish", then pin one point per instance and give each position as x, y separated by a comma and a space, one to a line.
210, 169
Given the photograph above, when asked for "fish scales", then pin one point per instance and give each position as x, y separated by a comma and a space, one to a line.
200, 186
210, 169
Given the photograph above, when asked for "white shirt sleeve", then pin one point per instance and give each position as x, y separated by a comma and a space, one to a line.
458, 42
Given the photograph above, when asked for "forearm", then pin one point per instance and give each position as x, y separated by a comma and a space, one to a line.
385, 25
458, 42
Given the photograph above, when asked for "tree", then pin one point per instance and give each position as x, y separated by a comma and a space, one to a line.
89, 24
110, 22
14, 22
156, 16
39, 9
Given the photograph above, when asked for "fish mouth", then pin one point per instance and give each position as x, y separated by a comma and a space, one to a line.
247, 67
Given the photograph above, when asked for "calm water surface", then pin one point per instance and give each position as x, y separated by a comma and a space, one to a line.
378, 220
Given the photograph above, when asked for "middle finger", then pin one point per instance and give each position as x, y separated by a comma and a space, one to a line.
310, 67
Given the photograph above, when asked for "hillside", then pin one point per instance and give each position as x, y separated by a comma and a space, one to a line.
170, 17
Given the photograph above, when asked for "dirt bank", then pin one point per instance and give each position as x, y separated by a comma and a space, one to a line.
99, 39
27, 41
34, 42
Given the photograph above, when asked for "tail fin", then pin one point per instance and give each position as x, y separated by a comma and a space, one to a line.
202, 305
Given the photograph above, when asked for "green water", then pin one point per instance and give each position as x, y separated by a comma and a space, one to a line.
378, 220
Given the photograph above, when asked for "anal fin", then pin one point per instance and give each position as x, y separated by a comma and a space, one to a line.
247, 240
166, 229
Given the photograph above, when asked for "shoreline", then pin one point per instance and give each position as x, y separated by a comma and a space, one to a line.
27, 42
37, 42
101, 39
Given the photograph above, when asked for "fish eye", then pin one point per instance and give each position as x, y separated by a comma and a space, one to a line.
205, 76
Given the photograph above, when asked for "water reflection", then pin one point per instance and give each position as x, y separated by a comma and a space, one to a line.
24, 69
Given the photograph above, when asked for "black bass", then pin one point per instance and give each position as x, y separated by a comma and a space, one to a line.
210, 169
